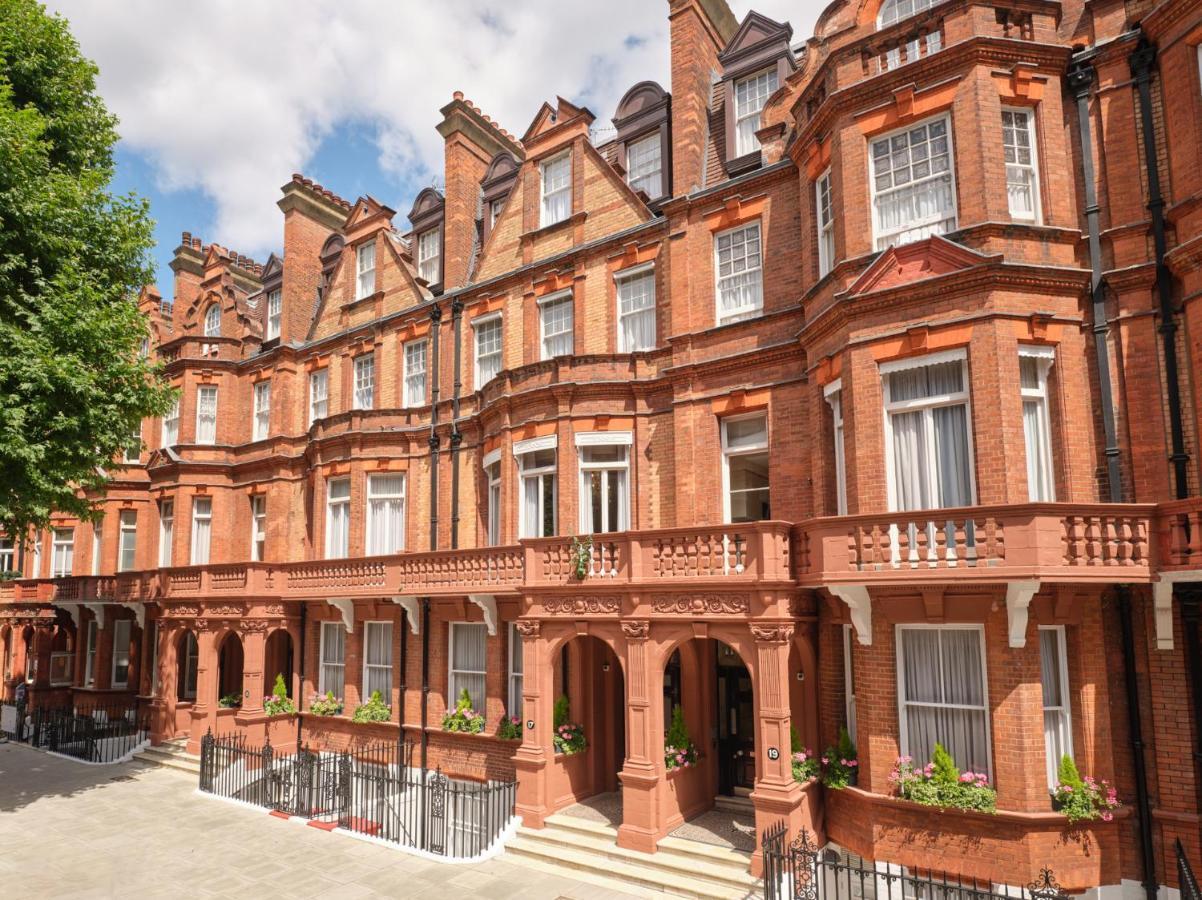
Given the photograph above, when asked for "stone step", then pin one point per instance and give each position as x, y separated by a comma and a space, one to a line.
680, 847
170, 756
736, 804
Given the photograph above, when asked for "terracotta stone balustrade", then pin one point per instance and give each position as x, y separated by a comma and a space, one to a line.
1179, 528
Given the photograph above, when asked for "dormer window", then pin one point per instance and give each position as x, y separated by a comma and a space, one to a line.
213, 321
365, 257
896, 10
274, 308
556, 176
494, 212
429, 256
644, 165
751, 94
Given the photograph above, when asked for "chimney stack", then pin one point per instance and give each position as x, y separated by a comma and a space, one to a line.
311, 215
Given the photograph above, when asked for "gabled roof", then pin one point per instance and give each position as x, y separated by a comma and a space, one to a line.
274, 266
755, 29
364, 210
549, 117
915, 262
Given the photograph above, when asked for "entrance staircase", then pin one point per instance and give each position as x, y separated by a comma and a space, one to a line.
681, 868
171, 755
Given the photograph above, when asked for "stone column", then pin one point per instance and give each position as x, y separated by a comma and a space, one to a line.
640, 775
204, 707
531, 758
298, 677
43, 641
254, 652
103, 671
164, 693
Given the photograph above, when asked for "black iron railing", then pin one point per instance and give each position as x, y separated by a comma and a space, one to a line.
373, 791
801, 871
97, 732
1185, 876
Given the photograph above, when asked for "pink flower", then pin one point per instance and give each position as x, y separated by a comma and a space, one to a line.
825, 761
853, 763
1107, 817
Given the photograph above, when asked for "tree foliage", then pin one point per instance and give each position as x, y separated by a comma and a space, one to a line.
73, 257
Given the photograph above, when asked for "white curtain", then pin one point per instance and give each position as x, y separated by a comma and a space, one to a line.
531, 507
202, 520
944, 695
910, 462
468, 663
951, 455
333, 658
206, 415
1039, 450
636, 313
386, 514
1056, 730
915, 212
516, 672
338, 519
377, 653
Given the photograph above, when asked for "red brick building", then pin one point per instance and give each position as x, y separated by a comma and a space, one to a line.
870, 364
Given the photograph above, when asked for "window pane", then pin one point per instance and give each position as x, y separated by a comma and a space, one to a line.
643, 166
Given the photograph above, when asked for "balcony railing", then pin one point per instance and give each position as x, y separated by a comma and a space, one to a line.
1180, 532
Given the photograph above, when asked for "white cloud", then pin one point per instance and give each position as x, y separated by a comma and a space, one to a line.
230, 97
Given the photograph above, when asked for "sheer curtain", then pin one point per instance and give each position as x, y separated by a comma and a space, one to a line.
636, 313
377, 654
467, 663
1057, 733
944, 698
333, 658
385, 514
202, 521
516, 672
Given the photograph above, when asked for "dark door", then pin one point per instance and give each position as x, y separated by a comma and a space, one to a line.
736, 729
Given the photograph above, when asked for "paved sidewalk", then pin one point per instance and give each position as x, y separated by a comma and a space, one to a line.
69, 830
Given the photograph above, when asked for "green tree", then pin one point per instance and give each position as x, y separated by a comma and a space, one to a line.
73, 257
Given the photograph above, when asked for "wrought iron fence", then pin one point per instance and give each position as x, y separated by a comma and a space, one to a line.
1185, 876
372, 790
801, 871
98, 732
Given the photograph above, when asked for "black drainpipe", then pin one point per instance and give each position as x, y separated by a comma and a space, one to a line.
425, 701
1080, 78
1191, 623
456, 434
435, 319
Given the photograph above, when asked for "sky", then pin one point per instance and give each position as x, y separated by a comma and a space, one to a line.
220, 101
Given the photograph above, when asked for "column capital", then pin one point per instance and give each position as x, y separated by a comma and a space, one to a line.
636, 629
772, 633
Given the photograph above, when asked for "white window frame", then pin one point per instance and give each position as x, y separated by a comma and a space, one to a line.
364, 387
849, 682
756, 307
477, 326
37, 556
212, 320
928, 405
495, 208
344, 511
258, 527
453, 673
89, 675
888, 14
127, 539
652, 176
170, 436
8, 558
516, 682
166, 532
1064, 711
548, 199
365, 269
585, 440
206, 435
319, 405
926, 227
833, 394
1031, 169
824, 213
262, 410
368, 666
532, 446
275, 307
323, 685
429, 255
492, 474
745, 140
728, 454
626, 279
548, 342
97, 545
121, 652
62, 552
379, 498
903, 702
415, 376
202, 511
1044, 468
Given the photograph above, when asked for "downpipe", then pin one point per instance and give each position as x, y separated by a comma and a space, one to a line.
456, 434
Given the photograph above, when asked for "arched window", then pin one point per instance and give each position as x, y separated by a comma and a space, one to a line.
896, 10
213, 321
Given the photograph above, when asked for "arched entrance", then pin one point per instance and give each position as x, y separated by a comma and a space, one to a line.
62, 656
187, 658
229, 671
278, 660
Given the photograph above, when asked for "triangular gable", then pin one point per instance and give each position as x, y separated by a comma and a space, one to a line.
273, 266
544, 120
910, 263
548, 118
755, 29
366, 209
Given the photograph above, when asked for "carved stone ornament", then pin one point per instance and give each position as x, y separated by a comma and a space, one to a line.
774, 634
225, 610
582, 605
174, 611
527, 629
249, 625
702, 604
636, 631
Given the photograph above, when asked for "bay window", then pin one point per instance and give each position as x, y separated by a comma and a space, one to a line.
738, 265
62, 552
319, 395
555, 323
1022, 175
895, 10
751, 95
604, 481
429, 256
377, 660
555, 178
1057, 718
385, 514
338, 517
913, 187
166, 532
171, 425
262, 410
127, 542
365, 381
942, 697
202, 529
636, 309
121, 637
330, 678
274, 309
258, 527
825, 211
488, 349
539, 491
833, 393
745, 468
206, 414
415, 373
644, 166
468, 661
365, 267
1033, 366
516, 672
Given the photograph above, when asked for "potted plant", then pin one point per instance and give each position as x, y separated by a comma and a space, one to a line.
569, 736
940, 783
582, 556
279, 703
374, 710
463, 719
679, 750
839, 763
230, 701
1082, 799
325, 706
509, 728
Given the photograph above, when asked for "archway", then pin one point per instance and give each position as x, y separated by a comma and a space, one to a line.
278, 660
229, 670
187, 658
62, 656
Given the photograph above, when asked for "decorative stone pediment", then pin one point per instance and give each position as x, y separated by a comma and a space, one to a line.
909, 263
366, 209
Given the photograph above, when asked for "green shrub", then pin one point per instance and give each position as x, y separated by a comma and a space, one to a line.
839, 763
679, 750
1081, 799
463, 719
374, 710
569, 736
325, 706
939, 783
230, 701
278, 703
